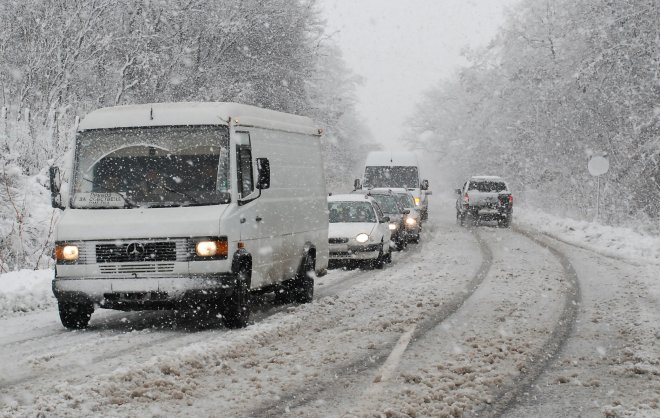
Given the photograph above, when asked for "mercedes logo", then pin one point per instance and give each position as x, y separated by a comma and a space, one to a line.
135, 250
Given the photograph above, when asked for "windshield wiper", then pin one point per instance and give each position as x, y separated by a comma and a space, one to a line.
129, 203
169, 189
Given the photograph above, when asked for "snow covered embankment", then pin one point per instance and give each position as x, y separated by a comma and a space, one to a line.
25, 291
610, 241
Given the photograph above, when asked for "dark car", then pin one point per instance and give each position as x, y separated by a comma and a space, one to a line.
391, 207
484, 198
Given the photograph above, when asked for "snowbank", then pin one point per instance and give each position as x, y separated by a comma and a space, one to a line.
25, 291
611, 241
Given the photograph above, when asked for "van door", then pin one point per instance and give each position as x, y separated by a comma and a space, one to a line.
251, 218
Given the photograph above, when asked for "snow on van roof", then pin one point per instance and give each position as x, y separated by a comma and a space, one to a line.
391, 158
195, 113
348, 198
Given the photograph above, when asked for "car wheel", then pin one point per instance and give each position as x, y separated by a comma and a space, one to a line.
505, 222
75, 315
236, 307
379, 262
461, 218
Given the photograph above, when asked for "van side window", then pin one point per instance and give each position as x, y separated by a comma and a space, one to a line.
244, 164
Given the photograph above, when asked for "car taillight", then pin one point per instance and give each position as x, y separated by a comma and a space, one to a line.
510, 199
466, 198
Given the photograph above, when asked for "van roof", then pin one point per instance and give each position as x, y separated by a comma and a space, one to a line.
195, 113
391, 158
349, 198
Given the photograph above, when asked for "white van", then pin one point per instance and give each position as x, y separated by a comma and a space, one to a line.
177, 205
387, 169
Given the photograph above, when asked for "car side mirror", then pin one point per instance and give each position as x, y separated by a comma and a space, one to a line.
406, 211
357, 184
55, 187
384, 219
425, 185
459, 191
263, 170
428, 192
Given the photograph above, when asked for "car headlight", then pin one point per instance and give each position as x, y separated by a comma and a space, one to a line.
411, 221
362, 238
393, 227
66, 252
417, 201
212, 248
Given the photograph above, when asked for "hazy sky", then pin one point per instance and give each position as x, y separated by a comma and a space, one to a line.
401, 48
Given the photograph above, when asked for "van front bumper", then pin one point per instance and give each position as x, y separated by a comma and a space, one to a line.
144, 293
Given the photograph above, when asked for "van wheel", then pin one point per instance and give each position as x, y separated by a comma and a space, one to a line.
303, 284
236, 307
75, 315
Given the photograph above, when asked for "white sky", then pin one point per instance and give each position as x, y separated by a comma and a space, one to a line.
402, 48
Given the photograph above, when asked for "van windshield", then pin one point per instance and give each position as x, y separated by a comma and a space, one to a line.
397, 176
151, 167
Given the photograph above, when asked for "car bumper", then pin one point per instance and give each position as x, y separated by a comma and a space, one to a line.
347, 252
144, 293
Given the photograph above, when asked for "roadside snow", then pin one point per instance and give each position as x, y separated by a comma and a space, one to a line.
25, 291
610, 241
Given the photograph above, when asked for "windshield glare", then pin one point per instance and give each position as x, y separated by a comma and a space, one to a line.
399, 176
151, 167
351, 212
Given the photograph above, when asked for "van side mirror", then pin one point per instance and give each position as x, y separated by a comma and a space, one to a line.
263, 170
55, 187
425, 185
357, 184
428, 192
406, 211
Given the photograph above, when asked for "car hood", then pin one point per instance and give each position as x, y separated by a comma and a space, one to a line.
349, 229
102, 224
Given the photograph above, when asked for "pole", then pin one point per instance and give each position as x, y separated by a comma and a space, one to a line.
597, 197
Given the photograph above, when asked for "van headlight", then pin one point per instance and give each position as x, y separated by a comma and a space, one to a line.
411, 221
66, 253
212, 248
362, 238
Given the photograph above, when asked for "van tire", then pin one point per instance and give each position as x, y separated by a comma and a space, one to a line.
75, 315
302, 289
236, 307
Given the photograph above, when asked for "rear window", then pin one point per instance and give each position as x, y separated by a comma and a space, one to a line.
487, 186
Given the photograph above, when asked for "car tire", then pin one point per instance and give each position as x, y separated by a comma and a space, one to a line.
505, 222
236, 307
461, 218
75, 315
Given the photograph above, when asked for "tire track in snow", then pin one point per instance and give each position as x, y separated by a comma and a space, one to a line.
542, 359
308, 394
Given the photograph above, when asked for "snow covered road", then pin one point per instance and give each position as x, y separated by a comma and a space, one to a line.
482, 322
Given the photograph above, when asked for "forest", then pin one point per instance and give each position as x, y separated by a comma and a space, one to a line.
60, 59
561, 82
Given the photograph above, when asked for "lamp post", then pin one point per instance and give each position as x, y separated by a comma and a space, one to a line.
598, 165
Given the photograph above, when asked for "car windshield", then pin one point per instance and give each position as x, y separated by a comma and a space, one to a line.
151, 167
388, 203
351, 212
398, 176
487, 186
405, 200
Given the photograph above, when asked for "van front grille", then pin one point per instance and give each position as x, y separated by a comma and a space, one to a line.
136, 252
131, 268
